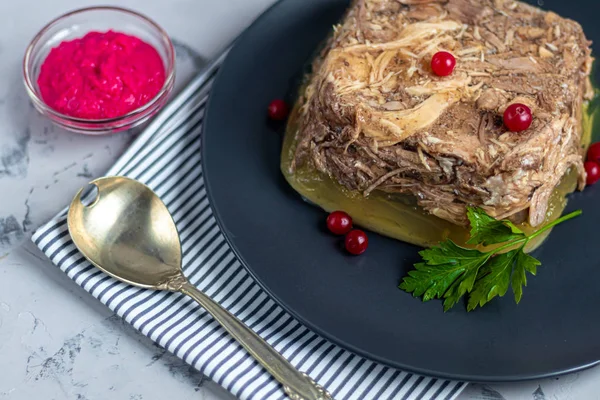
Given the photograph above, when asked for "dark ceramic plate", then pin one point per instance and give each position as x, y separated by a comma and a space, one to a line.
354, 301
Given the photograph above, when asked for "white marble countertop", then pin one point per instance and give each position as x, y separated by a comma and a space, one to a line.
56, 342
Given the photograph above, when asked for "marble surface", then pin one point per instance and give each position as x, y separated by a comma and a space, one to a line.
56, 342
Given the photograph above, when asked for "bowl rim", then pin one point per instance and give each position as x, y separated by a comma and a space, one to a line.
30, 86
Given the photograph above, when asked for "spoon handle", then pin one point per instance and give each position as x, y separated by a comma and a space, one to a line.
297, 385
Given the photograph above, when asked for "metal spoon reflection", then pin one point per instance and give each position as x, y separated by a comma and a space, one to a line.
128, 233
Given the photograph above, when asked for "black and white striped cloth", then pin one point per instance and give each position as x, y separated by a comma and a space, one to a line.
166, 157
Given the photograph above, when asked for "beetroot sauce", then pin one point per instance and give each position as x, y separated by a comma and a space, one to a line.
101, 75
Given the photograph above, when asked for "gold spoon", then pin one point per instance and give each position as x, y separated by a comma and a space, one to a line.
128, 233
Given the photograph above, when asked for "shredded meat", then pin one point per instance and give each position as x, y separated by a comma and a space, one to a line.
374, 117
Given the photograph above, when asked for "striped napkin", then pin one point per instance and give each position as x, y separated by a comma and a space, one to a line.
166, 157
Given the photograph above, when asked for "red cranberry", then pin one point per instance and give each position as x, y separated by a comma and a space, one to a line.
517, 117
443, 63
594, 153
278, 110
593, 172
356, 242
339, 223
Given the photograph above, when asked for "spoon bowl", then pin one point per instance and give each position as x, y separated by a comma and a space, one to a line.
128, 232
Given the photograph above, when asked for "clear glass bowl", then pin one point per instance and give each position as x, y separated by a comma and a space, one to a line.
75, 25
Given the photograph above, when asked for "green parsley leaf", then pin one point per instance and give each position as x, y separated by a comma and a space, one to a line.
493, 280
513, 227
525, 263
451, 297
449, 271
444, 265
487, 230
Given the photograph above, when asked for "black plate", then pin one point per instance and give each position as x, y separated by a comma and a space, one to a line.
354, 301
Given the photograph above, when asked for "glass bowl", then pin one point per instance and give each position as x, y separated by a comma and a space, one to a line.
75, 25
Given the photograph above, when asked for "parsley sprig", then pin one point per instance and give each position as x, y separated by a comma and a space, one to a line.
449, 271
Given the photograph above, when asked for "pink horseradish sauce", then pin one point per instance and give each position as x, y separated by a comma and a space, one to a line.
101, 75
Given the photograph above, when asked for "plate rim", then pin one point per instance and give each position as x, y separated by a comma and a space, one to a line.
210, 110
